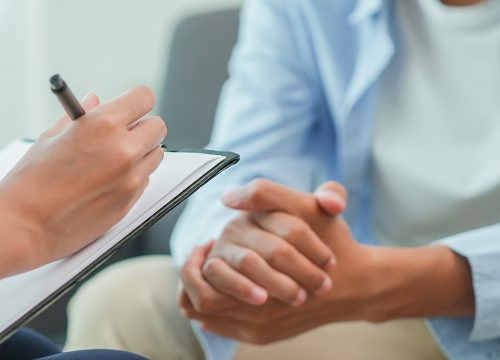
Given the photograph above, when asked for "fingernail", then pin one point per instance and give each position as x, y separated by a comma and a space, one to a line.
231, 198
301, 298
258, 296
333, 195
331, 264
325, 287
86, 97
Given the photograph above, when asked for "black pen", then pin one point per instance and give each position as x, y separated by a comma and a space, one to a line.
66, 97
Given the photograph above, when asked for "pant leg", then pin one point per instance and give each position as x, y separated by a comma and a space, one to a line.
132, 306
27, 345
95, 355
394, 340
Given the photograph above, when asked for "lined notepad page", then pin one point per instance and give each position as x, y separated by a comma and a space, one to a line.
21, 293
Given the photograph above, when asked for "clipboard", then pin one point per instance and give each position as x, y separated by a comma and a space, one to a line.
227, 159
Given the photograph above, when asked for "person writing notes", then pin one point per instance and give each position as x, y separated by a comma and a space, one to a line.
398, 102
77, 180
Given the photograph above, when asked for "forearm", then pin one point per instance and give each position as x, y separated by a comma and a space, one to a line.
423, 282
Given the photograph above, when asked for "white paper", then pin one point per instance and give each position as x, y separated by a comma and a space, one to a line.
20, 294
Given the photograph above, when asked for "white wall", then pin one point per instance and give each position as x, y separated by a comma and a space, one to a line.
21, 66
102, 46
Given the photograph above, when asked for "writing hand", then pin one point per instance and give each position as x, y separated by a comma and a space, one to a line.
80, 178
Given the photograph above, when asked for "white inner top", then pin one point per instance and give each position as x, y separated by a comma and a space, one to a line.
437, 135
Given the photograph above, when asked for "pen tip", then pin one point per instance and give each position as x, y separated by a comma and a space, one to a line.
57, 83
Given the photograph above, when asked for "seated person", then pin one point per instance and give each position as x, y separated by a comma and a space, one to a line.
77, 180
397, 101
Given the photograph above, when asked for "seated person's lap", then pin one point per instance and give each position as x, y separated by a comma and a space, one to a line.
132, 306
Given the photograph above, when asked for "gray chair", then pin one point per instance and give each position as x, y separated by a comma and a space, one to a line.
197, 68
199, 54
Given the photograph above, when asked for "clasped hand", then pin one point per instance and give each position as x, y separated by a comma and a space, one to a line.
287, 264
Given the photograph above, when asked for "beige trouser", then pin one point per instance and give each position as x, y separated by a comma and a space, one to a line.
131, 306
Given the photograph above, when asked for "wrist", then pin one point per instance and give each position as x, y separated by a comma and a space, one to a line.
421, 282
19, 237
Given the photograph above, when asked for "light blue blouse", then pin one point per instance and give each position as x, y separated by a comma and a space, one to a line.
299, 108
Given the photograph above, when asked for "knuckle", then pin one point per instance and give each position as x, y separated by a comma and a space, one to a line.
127, 156
232, 228
295, 230
212, 267
106, 124
279, 253
160, 154
248, 262
132, 186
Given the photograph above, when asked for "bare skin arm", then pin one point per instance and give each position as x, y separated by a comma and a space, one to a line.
78, 180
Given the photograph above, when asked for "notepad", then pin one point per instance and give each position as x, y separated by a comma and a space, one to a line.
179, 175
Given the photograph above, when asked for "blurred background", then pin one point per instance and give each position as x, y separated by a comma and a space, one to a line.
180, 48
103, 46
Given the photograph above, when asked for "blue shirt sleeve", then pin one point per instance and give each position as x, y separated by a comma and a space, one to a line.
267, 114
476, 337
481, 248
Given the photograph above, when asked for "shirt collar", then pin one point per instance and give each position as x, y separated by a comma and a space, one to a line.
375, 50
365, 9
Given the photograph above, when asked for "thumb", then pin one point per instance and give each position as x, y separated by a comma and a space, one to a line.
332, 198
